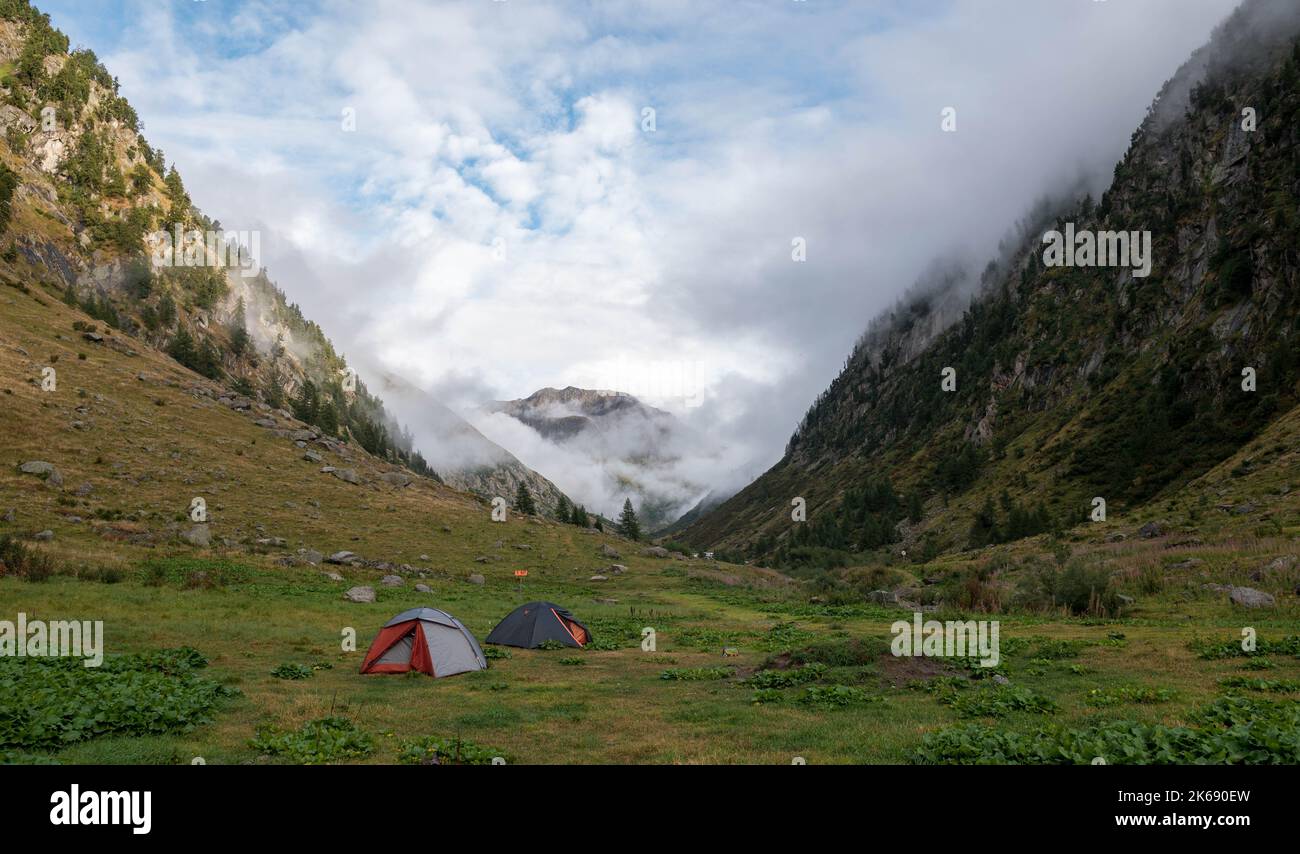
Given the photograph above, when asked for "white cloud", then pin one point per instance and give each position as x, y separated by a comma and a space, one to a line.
518, 124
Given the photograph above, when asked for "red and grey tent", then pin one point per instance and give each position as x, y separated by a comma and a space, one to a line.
533, 624
427, 640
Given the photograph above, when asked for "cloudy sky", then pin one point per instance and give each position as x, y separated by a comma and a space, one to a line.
492, 196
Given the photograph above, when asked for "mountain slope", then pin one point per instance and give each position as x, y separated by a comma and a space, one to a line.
1072, 382
94, 212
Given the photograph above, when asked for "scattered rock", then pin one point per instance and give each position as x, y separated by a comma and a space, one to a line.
1190, 563
1116, 537
396, 478
524, 547
423, 588
655, 551
1281, 564
86, 488
1151, 530
331, 575
616, 569
342, 558
599, 578
883, 597
360, 594
10, 515
44, 536
311, 556
606, 550
477, 579
605, 601
347, 475
45, 471
999, 679
268, 423
1249, 597
392, 581
200, 536
313, 457
1125, 601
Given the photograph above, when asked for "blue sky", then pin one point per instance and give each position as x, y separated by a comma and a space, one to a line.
500, 220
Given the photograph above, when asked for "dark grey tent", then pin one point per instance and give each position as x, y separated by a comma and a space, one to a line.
533, 624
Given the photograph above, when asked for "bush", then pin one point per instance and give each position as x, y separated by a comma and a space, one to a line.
1080, 587
786, 678
22, 561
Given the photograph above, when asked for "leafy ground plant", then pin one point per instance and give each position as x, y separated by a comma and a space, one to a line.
695, 674
1124, 694
292, 671
787, 678
323, 740
48, 703
998, 702
435, 750
1270, 686
836, 696
1229, 731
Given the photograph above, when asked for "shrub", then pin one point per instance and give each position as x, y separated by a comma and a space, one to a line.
22, 561
1080, 587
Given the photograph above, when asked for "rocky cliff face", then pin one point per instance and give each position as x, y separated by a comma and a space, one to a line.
1074, 382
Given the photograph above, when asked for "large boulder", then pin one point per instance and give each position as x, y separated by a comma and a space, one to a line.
396, 478
392, 581
477, 579
655, 551
343, 558
199, 536
360, 594
347, 475
606, 550
1249, 597
45, 471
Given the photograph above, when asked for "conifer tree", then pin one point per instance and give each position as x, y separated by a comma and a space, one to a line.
524, 500
628, 525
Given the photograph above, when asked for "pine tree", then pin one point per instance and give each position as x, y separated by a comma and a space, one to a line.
579, 516
562, 510
239, 339
524, 501
181, 347
628, 525
306, 405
